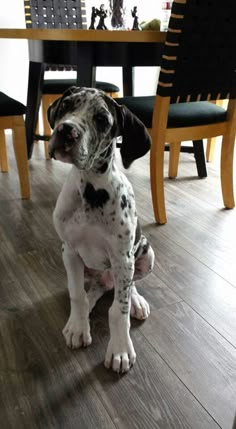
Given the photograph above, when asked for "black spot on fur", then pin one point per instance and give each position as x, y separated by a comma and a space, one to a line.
145, 248
95, 198
90, 91
123, 203
137, 239
83, 128
137, 232
103, 168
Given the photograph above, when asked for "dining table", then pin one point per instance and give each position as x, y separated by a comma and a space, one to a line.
86, 50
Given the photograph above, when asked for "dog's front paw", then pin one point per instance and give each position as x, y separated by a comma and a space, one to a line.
77, 332
120, 355
139, 307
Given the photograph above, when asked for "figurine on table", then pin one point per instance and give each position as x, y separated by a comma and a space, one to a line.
102, 13
93, 18
134, 13
118, 11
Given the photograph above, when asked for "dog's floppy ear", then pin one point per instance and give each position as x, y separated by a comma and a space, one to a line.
54, 107
136, 141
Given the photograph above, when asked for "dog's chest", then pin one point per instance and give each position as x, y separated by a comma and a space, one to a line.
86, 233
90, 242
96, 218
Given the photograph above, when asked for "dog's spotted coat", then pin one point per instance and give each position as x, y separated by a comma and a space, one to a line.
96, 219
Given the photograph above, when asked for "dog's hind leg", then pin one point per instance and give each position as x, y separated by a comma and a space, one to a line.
139, 306
144, 261
143, 266
94, 292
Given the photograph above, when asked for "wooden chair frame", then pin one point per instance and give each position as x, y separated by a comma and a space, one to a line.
17, 124
161, 134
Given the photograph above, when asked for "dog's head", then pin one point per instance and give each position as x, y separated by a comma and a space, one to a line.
85, 122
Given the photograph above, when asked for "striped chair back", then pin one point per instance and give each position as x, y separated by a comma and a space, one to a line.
63, 14
199, 58
55, 14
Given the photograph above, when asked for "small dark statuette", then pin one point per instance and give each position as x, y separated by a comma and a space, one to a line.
93, 18
136, 25
102, 13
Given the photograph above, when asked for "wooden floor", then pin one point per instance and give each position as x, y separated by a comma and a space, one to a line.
185, 375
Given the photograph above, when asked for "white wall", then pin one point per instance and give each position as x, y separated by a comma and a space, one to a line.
14, 53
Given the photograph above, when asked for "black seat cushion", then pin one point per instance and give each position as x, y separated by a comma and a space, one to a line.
180, 114
10, 107
58, 86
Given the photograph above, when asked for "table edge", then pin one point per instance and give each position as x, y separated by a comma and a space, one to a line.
83, 35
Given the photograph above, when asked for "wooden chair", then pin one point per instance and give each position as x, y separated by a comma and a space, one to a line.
61, 14
11, 117
198, 66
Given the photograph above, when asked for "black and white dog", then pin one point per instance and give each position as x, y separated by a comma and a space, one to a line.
96, 219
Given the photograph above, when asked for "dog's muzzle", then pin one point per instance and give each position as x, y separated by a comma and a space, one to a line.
64, 138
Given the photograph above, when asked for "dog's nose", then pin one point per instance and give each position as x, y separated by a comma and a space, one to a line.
68, 132
63, 138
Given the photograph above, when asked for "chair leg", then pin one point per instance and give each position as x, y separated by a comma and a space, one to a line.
157, 179
46, 101
3, 153
37, 130
227, 153
210, 149
19, 142
200, 158
174, 159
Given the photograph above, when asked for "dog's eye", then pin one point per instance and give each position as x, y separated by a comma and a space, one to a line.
65, 105
101, 121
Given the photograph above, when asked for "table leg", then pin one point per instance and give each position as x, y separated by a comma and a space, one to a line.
35, 83
86, 72
128, 81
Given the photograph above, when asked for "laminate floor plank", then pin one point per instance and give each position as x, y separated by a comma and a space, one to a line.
206, 292
204, 361
42, 384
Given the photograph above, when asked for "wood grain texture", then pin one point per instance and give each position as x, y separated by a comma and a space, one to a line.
83, 35
205, 362
185, 375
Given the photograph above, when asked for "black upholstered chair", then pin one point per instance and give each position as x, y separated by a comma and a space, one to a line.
198, 66
11, 117
59, 14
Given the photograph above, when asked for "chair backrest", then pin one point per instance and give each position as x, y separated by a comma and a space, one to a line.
69, 14
199, 59
55, 14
